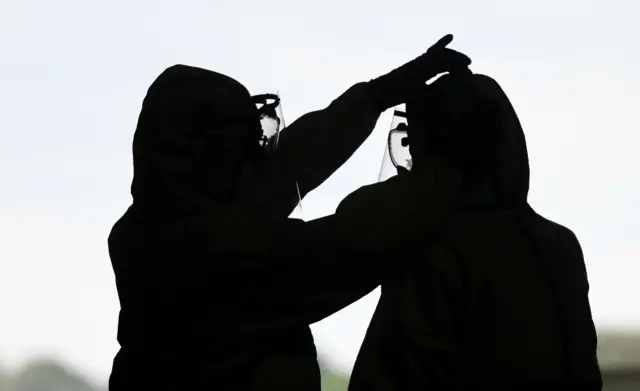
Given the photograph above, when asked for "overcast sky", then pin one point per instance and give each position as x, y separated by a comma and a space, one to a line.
73, 74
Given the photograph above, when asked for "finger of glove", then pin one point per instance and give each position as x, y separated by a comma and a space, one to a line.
438, 58
442, 43
422, 63
450, 56
450, 60
426, 66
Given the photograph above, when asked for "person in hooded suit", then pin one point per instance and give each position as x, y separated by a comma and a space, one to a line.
217, 286
497, 297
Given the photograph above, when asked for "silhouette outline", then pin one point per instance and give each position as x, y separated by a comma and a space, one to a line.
498, 298
217, 286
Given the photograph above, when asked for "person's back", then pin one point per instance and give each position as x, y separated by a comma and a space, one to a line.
500, 298
212, 345
188, 262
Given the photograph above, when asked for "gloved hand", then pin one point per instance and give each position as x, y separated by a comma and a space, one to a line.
399, 85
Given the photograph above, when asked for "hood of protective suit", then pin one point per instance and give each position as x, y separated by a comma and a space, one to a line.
509, 168
181, 107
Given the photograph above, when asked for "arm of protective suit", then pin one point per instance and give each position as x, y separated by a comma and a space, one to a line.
320, 142
305, 271
582, 331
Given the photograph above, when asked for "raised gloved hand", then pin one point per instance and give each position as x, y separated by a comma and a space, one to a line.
399, 85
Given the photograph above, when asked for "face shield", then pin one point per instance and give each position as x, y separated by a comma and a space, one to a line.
396, 153
451, 119
271, 119
278, 191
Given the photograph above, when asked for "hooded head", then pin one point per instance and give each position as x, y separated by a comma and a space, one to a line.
196, 130
469, 120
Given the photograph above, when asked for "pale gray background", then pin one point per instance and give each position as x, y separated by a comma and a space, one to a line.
73, 74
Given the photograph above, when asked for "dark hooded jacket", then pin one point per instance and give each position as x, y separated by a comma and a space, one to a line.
219, 296
497, 299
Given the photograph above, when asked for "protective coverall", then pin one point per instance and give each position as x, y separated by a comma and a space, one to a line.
497, 298
216, 296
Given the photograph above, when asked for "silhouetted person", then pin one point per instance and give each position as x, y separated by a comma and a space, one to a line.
498, 298
217, 287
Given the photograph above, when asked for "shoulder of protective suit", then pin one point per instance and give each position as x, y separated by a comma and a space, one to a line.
556, 232
396, 192
359, 197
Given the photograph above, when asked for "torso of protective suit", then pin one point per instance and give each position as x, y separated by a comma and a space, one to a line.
207, 301
497, 298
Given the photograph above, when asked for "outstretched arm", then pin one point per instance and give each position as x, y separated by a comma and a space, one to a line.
364, 243
295, 272
324, 265
317, 144
312, 148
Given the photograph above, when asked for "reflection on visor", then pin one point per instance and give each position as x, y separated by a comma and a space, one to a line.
396, 152
272, 123
271, 119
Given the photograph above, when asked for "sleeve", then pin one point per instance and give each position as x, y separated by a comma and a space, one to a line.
351, 252
302, 272
320, 142
582, 330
